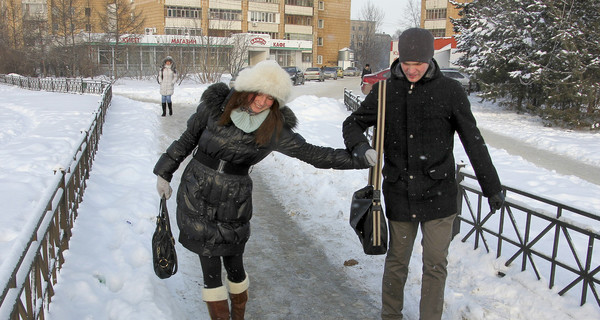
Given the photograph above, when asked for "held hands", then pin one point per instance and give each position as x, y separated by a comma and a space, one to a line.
496, 201
163, 187
365, 154
371, 156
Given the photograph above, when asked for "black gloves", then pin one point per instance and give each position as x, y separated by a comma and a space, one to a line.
365, 154
496, 201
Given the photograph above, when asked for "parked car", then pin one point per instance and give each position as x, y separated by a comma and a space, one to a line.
461, 77
340, 72
314, 73
296, 75
330, 73
352, 72
370, 79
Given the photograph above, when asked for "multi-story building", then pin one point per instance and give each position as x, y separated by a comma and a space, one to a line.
293, 32
436, 14
325, 23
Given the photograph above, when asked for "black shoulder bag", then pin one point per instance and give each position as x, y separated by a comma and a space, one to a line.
366, 213
164, 256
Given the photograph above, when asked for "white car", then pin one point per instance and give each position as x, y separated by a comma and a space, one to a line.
461, 77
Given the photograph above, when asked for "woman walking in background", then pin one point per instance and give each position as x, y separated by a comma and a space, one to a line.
167, 76
231, 131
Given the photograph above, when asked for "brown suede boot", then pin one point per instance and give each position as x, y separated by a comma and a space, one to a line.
216, 302
238, 293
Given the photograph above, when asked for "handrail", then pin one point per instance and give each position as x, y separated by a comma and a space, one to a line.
69, 85
552, 238
551, 245
27, 284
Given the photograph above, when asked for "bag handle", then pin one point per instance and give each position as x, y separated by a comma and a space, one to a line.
378, 135
375, 171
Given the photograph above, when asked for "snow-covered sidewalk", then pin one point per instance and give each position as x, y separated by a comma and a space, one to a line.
108, 273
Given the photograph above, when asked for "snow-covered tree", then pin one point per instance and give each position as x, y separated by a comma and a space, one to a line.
540, 56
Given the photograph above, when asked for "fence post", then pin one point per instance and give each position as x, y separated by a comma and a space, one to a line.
459, 179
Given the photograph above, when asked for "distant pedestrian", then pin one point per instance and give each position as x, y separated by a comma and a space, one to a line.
232, 130
167, 76
424, 110
366, 70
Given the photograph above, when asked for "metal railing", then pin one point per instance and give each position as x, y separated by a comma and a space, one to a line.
549, 237
553, 239
69, 85
351, 101
32, 267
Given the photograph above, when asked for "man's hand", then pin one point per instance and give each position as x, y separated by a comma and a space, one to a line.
163, 187
496, 201
365, 154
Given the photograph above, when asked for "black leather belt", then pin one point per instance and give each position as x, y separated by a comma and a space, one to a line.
221, 166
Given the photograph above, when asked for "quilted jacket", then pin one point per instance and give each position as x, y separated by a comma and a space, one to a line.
214, 209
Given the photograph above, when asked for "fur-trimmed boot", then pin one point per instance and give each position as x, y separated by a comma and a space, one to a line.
216, 302
170, 104
238, 294
164, 107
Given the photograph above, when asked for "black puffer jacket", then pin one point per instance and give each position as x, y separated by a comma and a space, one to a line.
419, 170
214, 209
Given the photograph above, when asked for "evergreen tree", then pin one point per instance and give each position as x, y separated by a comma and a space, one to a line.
540, 56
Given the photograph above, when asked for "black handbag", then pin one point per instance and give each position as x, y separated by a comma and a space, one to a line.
366, 213
164, 256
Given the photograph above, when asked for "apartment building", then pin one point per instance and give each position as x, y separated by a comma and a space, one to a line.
324, 23
436, 14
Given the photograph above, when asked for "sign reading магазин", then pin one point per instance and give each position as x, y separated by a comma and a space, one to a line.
253, 41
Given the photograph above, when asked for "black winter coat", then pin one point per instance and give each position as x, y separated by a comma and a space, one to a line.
420, 122
214, 209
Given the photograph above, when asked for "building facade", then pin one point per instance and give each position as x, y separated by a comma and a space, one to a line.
436, 14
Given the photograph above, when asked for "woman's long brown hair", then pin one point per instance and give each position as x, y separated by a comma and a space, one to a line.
272, 124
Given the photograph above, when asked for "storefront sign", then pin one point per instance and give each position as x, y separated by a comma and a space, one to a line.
258, 41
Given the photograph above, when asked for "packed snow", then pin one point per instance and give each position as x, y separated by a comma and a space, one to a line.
108, 271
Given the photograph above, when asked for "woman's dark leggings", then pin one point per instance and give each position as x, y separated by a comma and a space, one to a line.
211, 269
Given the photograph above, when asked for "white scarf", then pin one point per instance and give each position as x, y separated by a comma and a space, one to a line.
248, 122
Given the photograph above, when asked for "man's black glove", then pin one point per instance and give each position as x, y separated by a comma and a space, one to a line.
365, 154
496, 201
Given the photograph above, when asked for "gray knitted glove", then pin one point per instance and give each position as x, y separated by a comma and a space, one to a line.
163, 187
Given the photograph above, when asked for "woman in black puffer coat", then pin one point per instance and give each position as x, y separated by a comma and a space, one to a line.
231, 131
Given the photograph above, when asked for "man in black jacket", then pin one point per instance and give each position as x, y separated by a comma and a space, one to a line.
423, 111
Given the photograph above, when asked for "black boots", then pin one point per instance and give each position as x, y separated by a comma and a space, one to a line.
164, 108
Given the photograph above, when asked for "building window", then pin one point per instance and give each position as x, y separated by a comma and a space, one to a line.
435, 14
321, 23
225, 14
256, 16
265, 1
321, 5
298, 20
319, 41
182, 31
273, 35
88, 27
88, 12
183, 12
301, 3
319, 59
306, 57
438, 33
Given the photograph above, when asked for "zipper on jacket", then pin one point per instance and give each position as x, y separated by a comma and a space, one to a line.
412, 85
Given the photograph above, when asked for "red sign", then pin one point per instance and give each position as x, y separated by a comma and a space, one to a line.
279, 44
183, 41
130, 40
259, 41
